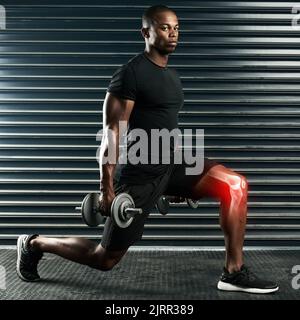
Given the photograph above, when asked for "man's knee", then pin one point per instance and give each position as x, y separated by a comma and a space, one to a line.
105, 260
238, 190
238, 187
243, 184
232, 180
107, 265
103, 263
233, 187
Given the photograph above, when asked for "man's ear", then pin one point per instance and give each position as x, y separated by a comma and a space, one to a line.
145, 32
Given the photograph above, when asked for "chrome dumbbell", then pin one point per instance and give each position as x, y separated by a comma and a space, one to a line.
122, 210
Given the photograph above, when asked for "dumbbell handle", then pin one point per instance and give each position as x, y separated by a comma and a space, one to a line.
131, 212
173, 198
163, 203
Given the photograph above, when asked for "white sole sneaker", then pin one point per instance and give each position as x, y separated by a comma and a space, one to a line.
230, 287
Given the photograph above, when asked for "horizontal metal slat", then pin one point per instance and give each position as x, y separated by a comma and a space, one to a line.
275, 171
15, 192
201, 204
182, 215
225, 66
171, 215
245, 99
128, 34
186, 28
181, 113
270, 237
233, 89
199, 17
88, 74
85, 158
19, 4
136, 9
199, 40
185, 124
148, 226
208, 136
91, 181
245, 148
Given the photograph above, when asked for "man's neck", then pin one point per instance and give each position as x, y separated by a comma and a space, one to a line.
157, 58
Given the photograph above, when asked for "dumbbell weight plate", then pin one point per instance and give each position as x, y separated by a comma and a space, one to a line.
192, 203
89, 212
119, 204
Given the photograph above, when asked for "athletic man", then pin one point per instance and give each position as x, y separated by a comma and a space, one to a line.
147, 94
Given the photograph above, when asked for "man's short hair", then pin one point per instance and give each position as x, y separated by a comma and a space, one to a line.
149, 14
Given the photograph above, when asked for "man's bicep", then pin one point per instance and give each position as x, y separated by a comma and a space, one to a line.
116, 109
123, 83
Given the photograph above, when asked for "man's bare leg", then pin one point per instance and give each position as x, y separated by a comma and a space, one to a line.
231, 189
79, 250
30, 249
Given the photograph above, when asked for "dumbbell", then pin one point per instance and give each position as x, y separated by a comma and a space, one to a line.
122, 210
163, 203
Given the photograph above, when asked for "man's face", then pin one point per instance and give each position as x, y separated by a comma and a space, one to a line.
163, 33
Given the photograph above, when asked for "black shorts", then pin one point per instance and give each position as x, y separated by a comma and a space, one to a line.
145, 196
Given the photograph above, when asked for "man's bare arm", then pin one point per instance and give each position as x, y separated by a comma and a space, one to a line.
114, 110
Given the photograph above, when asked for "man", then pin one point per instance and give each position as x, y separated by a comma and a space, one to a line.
146, 94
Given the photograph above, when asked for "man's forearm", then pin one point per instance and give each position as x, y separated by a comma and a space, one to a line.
108, 159
106, 177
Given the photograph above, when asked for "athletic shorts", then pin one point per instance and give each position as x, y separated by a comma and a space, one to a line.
174, 182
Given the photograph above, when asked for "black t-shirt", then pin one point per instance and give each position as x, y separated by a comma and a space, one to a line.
157, 92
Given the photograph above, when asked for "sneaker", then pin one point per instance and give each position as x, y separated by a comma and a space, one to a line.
246, 281
27, 259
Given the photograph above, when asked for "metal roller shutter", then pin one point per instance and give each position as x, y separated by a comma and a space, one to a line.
239, 64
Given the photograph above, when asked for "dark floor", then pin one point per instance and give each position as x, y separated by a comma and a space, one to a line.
170, 275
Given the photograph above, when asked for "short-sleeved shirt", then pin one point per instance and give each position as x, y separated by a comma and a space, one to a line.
158, 95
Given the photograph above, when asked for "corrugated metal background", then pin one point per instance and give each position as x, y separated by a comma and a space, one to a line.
239, 64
